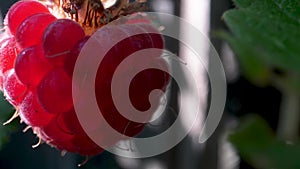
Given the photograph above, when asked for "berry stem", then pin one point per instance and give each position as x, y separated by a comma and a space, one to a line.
15, 115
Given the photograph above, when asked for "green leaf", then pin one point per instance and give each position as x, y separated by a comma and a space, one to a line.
252, 66
290, 8
257, 144
6, 111
266, 31
243, 3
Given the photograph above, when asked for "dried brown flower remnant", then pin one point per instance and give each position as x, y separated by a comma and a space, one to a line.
92, 14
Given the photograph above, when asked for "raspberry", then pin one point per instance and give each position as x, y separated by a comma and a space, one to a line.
143, 84
55, 92
37, 61
65, 133
57, 137
140, 86
157, 40
70, 60
85, 146
8, 53
21, 10
69, 123
13, 89
32, 113
60, 37
32, 28
31, 66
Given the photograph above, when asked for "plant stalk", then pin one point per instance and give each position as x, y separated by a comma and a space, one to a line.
289, 117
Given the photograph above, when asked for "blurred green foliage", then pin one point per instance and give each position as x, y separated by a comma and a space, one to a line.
265, 37
258, 145
6, 111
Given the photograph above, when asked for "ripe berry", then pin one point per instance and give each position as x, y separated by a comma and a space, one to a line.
85, 146
8, 53
30, 31
57, 137
21, 10
60, 37
13, 89
70, 60
65, 133
31, 66
55, 92
141, 85
68, 123
38, 80
32, 113
157, 39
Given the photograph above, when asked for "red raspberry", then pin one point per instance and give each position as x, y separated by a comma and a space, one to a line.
32, 28
13, 89
31, 111
8, 53
31, 66
59, 38
55, 92
21, 10
38, 80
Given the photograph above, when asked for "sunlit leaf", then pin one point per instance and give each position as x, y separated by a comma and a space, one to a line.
265, 36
